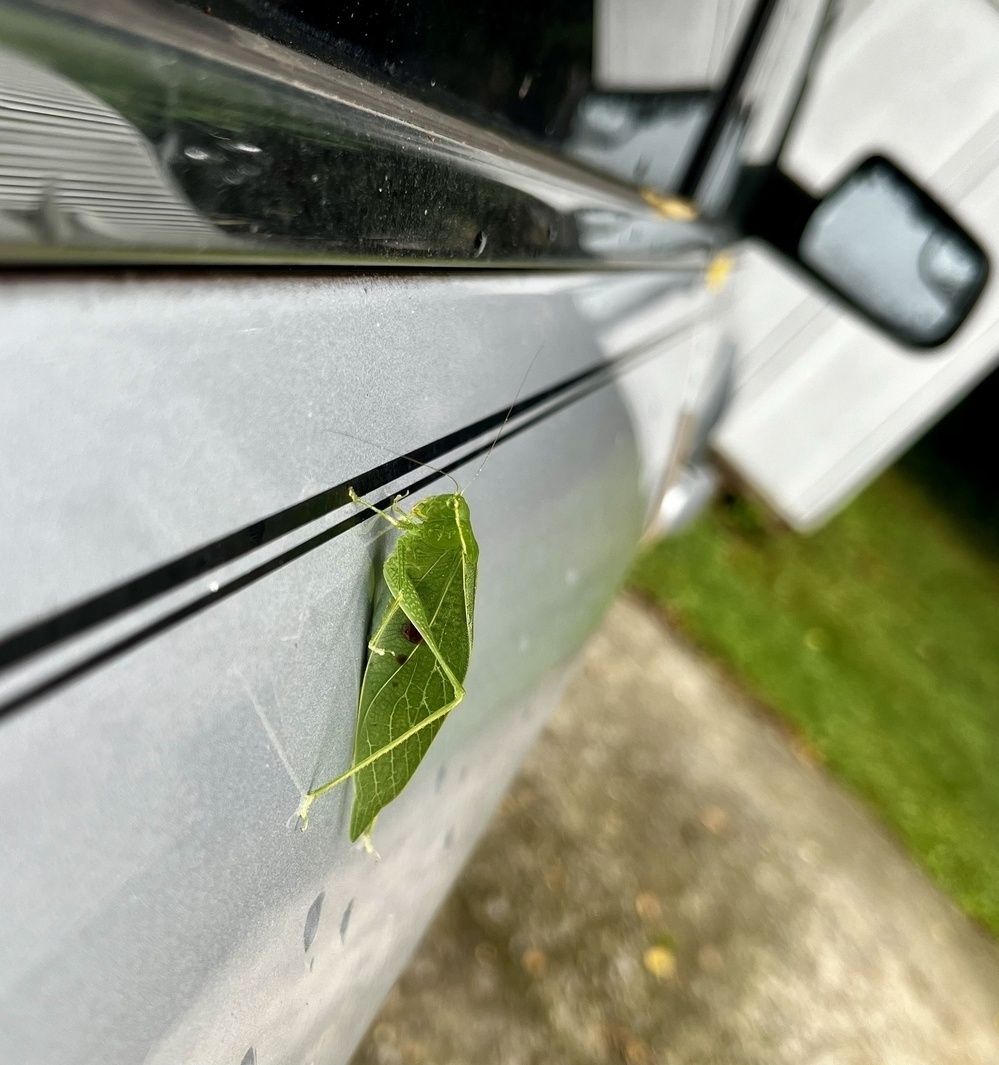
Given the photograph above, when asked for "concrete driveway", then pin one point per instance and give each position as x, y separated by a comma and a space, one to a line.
672, 880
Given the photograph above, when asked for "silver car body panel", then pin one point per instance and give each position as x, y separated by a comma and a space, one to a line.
152, 760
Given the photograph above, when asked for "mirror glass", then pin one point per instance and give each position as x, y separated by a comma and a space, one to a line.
888, 248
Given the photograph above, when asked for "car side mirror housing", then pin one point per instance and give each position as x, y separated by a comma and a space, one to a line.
876, 241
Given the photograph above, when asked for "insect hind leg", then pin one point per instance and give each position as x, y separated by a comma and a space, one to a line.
437, 715
390, 612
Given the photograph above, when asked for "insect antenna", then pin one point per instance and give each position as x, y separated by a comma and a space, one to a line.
509, 414
404, 458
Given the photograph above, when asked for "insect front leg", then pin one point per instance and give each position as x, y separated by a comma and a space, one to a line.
404, 517
402, 522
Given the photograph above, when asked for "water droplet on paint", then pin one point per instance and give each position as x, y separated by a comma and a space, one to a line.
312, 920
345, 921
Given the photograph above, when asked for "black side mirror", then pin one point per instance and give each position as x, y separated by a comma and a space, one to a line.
877, 241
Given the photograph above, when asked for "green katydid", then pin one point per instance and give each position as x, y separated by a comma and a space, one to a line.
418, 654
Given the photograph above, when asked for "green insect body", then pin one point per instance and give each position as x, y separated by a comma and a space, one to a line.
418, 655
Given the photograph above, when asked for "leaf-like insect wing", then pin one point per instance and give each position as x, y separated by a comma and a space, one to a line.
423, 575
417, 659
408, 682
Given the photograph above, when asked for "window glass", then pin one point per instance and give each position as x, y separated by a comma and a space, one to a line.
624, 87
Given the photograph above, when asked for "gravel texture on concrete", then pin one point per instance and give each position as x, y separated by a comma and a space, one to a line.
672, 880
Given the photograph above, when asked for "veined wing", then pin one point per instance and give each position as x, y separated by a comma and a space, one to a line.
437, 591
407, 684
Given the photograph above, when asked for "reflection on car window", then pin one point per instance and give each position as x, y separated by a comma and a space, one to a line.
527, 64
646, 138
553, 70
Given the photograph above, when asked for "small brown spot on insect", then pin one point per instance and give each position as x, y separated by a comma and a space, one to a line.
411, 632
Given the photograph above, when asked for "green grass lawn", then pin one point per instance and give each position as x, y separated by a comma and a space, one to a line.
878, 640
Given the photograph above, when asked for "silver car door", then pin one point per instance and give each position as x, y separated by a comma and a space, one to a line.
187, 588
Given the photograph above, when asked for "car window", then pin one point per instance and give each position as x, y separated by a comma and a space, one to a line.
625, 86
